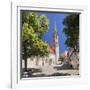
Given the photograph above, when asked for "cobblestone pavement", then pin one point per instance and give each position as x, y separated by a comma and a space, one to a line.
49, 70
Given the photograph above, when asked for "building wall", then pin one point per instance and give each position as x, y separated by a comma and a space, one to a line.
31, 62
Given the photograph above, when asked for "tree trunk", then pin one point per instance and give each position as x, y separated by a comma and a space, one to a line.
37, 61
42, 61
25, 64
25, 56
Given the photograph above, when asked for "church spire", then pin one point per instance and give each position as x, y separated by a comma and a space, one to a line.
56, 43
55, 36
55, 29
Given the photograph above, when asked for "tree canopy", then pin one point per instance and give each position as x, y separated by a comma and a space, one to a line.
71, 30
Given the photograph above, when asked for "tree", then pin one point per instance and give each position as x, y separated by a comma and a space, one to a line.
26, 33
71, 30
40, 24
44, 24
32, 32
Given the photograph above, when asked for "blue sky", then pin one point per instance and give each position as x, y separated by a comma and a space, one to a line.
58, 19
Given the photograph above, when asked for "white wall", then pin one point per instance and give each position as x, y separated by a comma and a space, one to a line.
5, 44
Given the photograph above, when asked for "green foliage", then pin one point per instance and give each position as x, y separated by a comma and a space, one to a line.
33, 27
44, 24
39, 24
71, 30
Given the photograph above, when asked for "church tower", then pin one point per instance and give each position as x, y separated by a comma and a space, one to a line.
56, 43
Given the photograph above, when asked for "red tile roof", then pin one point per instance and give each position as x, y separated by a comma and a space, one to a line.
51, 50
